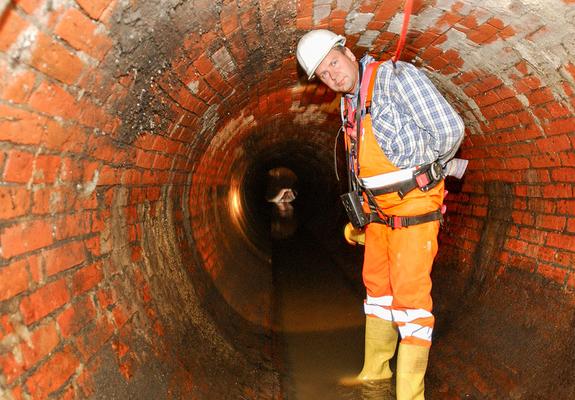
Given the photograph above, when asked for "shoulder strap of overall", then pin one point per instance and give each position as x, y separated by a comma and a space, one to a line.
369, 76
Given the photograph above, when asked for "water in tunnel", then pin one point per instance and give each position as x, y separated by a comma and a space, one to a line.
136, 253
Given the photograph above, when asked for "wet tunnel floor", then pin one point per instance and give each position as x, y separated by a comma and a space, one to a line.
320, 323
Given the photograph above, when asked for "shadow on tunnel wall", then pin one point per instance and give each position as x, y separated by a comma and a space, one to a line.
501, 332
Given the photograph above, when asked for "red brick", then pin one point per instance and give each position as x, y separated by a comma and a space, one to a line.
53, 374
563, 174
552, 273
24, 237
54, 60
507, 32
557, 191
87, 278
36, 270
71, 170
204, 65
229, 21
560, 126
558, 110
564, 258
64, 257
6, 327
89, 343
10, 367
80, 32
553, 222
46, 168
483, 34
18, 88
42, 341
93, 246
54, 100
554, 144
12, 25
45, 300
540, 96
72, 225
74, 318
561, 240
95, 116
63, 138
521, 262
14, 201
103, 148
51, 200
522, 67
570, 67
69, 393
28, 5
120, 316
517, 246
19, 167
94, 8
106, 298
517, 163
21, 127
527, 84
13, 279
486, 99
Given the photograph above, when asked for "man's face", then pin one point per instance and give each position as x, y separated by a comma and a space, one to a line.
339, 71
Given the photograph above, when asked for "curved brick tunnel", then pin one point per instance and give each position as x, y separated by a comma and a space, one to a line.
136, 137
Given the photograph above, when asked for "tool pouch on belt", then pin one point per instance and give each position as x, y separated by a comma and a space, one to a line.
352, 204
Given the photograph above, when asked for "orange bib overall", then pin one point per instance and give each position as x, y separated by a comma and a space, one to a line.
397, 262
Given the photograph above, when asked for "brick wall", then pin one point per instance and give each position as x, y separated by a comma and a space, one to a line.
123, 126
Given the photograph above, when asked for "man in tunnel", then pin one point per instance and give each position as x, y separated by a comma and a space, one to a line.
401, 136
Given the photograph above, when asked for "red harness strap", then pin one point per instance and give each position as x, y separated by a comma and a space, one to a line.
406, 14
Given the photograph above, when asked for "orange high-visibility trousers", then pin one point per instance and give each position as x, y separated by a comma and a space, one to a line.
396, 274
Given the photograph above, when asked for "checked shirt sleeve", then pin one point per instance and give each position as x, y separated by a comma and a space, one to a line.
412, 121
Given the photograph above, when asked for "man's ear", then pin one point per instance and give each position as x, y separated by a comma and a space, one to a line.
349, 54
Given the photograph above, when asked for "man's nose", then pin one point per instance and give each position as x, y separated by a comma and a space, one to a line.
333, 75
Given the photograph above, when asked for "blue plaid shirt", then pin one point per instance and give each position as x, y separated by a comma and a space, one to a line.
412, 122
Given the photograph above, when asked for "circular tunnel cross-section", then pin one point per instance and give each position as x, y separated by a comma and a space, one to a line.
137, 255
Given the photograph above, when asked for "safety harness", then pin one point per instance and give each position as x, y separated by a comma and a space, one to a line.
401, 182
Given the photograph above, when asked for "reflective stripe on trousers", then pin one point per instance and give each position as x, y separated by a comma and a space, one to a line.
381, 308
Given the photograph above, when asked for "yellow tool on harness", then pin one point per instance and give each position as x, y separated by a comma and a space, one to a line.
354, 236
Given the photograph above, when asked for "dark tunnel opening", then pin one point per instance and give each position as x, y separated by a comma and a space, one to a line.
315, 202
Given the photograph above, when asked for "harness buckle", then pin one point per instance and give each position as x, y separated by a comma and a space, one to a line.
395, 222
429, 176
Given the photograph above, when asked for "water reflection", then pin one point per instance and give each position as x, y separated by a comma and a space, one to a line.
374, 390
281, 193
283, 220
319, 320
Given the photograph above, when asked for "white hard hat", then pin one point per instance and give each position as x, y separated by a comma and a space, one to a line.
314, 46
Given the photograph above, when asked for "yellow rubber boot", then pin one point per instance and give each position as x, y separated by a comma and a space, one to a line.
410, 374
380, 344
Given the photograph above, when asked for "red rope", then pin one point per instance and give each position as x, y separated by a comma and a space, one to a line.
406, 14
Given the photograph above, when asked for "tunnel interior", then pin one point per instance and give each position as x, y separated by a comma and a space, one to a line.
137, 140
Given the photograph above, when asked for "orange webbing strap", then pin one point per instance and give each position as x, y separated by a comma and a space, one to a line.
406, 14
370, 74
